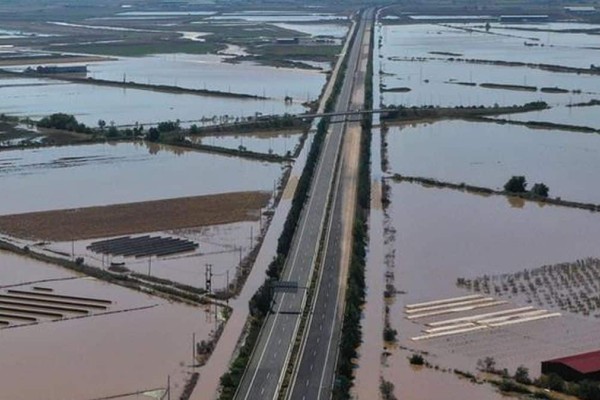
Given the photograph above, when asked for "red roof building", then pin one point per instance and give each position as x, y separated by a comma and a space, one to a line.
575, 368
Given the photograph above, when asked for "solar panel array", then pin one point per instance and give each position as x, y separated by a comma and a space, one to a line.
143, 246
19, 307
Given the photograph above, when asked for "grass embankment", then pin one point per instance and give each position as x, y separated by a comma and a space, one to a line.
401, 113
351, 336
396, 89
541, 125
261, 301
463, 187
50, 59
508, 87
253, 155
502, 63
132, 218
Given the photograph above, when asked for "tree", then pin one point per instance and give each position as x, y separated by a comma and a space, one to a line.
516, 184
522, 375
487, 26
539, 189
101, 124
168, 126
112, 132
64, 122
487, 364
153, 135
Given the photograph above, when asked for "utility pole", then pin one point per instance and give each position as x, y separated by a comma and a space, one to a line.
227, 287
149, 265
251, 236
193, 349
216, 319
168, 387
208, 278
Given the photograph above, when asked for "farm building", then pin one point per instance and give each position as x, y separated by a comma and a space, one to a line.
575, 368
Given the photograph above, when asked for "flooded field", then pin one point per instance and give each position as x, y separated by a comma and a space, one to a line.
420, 60
432, 237
419, 40
266, 142
445, 83
101, 174
210, 72
100, 355
16, 270
37, 98
221, 246
276, 17
335, 30
578, 116
489, 236
488, 154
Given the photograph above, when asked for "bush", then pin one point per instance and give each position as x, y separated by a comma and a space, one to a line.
389, 334
168, 126
386, 388
539, 189
65, 122
511, 387
588, 390
522, 375
416, 359
516, 184
552, 382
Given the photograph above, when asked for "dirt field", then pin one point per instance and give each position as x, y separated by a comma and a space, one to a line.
131, 218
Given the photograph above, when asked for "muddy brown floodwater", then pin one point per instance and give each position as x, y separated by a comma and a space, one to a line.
436, 235
135, 349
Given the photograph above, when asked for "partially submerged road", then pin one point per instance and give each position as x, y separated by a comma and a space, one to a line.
265, 372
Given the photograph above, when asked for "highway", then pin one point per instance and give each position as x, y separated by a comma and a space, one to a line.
265, 372
314, 375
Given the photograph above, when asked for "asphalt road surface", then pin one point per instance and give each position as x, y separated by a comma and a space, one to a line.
265, 371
